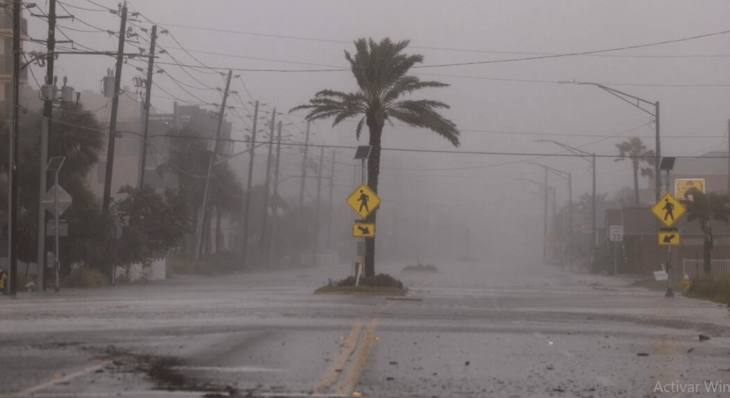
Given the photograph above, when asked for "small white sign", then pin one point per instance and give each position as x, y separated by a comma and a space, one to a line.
616, 233
660, 275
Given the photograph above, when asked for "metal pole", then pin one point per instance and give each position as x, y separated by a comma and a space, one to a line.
148, 91
304, 170
246, 206
58, 210
545, 221
332, 188
275, 195
669, 292
40, 281
206, 192
266, 186
658, 156
316, 212
570, 221
594, 233
728, 153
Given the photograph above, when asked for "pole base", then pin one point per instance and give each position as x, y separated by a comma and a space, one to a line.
669, 293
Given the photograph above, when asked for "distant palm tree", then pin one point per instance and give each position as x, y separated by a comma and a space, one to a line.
635, 150
704, 207
380, 71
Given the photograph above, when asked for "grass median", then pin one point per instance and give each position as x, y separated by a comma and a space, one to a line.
381, 285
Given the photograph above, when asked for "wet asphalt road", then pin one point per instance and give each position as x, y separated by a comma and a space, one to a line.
470, 330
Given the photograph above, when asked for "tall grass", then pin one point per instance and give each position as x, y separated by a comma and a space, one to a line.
711, 287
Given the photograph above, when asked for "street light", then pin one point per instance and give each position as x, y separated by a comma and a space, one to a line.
544, 187
570, 203
591, 158
637, 103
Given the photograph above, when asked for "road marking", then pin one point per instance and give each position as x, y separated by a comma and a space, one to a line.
51, 383
347, 386
330, 377
358, 365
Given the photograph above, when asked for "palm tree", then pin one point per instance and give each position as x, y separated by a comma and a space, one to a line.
380, 71
704, 207
635, 150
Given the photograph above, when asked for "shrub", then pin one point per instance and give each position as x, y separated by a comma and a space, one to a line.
84, 277
711, 287
381, 280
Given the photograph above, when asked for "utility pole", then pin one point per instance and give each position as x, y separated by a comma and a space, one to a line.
45, 133
206, 192
247, 205
332, 188
275, 197
266, 187
13, 158
106, 199
728, 153
113, 117
304, 171
316, 212
148, 91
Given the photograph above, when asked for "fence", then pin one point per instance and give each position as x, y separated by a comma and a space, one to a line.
134, 272
693, 267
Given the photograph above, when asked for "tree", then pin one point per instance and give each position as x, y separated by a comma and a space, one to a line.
78, 137
189, 159
703, 208
635, 150
380, 72
151, 222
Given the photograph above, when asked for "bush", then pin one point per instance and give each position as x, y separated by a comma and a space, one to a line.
84, 277
381, 280
711, 287
222, 262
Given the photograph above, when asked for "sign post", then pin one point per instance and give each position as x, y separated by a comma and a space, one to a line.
668, 210
362, 153
616, 233
57, 201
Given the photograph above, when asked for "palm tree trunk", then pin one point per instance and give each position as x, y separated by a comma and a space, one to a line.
376, 131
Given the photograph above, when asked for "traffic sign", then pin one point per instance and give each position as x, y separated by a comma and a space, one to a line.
682, 185
51, 229
616, 233
49, 200
363, 230
669, 238
668, 210
363, 201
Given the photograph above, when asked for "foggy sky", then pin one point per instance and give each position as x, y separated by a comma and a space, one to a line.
518, 97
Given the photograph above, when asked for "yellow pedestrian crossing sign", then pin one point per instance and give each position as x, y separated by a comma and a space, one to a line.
363, 230
669, 238
363, 201
668, 210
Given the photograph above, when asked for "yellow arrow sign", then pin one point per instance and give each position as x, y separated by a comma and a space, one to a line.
363, 230
668, 210
363, 201
669, 238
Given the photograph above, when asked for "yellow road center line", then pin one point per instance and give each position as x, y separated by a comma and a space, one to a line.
358, 365
330, 377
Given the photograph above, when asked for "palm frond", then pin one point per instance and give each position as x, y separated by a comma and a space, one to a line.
421, 113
